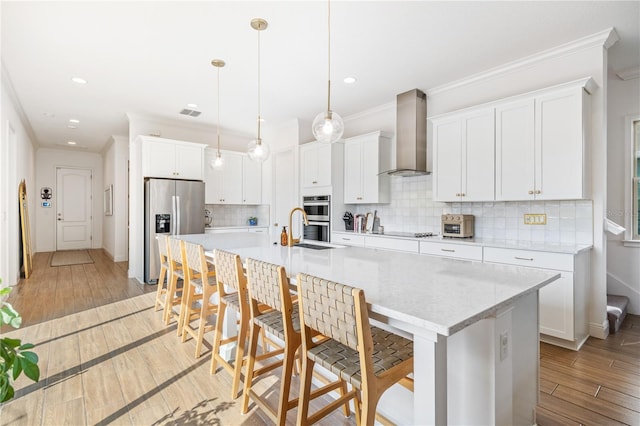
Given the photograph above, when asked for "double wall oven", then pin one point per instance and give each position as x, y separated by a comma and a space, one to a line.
318, 210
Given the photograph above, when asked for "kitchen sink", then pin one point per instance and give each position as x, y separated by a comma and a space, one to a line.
313, 246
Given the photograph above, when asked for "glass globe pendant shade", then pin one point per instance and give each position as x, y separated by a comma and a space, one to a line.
258, 150
217, 163
327, 127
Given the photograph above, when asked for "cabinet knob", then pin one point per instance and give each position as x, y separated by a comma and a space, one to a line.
538, 192
458, 194
531, 192
314, 182
463, 194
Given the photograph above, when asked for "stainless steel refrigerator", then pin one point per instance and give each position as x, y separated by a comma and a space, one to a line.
171, 207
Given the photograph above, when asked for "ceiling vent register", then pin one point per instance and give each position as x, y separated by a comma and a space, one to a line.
190, 112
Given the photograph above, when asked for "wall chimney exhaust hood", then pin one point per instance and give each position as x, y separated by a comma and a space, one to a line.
411, 134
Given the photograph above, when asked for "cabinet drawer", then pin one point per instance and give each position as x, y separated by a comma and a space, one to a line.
534, 259
460, 251
347, 239
392, 244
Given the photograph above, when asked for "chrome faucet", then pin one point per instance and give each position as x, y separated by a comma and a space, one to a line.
292, 240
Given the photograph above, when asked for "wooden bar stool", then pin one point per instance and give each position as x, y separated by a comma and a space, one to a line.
200, 285
268, 285
229, 273
174, 294
164, 267
369, 358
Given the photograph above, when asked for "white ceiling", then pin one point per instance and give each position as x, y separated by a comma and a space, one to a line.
153, 57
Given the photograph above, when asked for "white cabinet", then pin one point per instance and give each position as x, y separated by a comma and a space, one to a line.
238, 182
315, 165
166, 158
224, 186
541, 145
364, 157
397, 244
448, 249
563, 304
251, 181
463, 166
347, 239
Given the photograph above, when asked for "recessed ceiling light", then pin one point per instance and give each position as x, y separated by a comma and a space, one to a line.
71, 142
79, 80
74, 120
70, 126
350, 80
192, 105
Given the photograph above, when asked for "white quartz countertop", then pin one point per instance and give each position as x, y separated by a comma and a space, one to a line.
236, 227
488, 242
437, 294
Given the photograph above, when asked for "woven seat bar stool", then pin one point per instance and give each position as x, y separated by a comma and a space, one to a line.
229, 273
164, 267
369, 358
268, 285
173, 296
200, 286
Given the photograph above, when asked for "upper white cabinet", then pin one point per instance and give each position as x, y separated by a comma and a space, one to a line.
364, 157
166, 158
541, 146
527, 147
463, 149
238, 182
315, 165
251, 181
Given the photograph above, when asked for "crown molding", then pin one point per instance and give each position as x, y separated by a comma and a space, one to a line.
367, 112
173, 122
606, 39
8, 85
629, 73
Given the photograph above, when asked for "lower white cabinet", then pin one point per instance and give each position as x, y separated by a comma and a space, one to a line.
563, 303
347, 239
455, 250
386, 243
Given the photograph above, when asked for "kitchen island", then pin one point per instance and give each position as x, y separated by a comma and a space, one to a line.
474, 325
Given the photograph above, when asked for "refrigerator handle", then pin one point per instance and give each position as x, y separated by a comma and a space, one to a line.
178, 217
173, 214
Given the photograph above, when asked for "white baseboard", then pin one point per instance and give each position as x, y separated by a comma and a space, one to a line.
599, 331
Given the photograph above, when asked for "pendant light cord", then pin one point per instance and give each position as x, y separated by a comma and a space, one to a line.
329, 55
218, 126
259, 140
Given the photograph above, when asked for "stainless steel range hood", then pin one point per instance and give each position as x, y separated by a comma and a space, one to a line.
411, 134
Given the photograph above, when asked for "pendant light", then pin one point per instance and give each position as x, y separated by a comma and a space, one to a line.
218, 162
258, 150
328, 126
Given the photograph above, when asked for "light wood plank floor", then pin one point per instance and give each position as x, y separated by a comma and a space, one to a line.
107, 358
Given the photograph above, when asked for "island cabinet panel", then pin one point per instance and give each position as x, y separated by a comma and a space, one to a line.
447, 249
464, 156
166, 158
365, 157
563, 303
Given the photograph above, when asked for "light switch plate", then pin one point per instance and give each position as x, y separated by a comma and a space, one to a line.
535, 219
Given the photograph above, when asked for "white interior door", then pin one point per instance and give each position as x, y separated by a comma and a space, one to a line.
74, 218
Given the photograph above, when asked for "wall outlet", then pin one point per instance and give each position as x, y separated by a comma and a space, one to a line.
504, 345
535, 219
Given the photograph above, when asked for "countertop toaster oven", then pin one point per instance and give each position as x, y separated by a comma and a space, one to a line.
457, 225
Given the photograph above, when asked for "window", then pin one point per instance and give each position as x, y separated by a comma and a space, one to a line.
632, 210
635, 208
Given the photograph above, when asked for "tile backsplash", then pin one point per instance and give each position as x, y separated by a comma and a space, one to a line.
412, 209
237, 215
